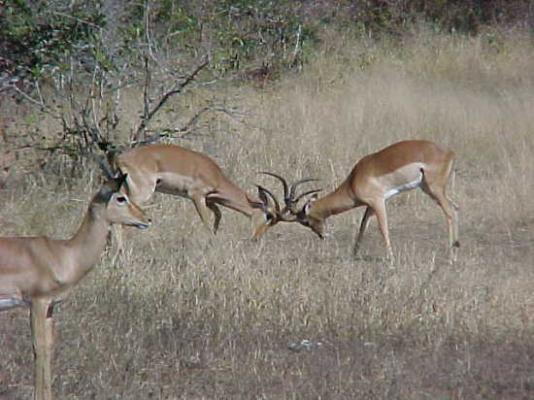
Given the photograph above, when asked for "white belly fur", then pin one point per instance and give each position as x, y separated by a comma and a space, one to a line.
406, 178
179, 185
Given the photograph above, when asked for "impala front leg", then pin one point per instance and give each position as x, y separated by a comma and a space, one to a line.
363, 226
42, 327
380, 210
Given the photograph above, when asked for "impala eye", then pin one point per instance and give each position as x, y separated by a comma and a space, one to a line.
122, 200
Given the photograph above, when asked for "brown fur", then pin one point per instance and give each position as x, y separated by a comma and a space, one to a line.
175, 170
385, 173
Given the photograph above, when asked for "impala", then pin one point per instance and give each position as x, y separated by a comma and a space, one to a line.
36, 271
375, 178
175, 170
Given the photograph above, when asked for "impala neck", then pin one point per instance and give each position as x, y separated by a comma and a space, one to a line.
336, 202
86, 246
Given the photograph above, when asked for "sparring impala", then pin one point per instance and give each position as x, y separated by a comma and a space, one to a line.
175, 170
374, 179
35, 272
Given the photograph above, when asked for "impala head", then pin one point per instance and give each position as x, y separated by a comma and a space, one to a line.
268, 212
119, 208
291, 212
306, 218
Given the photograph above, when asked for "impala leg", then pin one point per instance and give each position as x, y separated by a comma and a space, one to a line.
437, 193
42, 327
363, 226
380, 211
217, 214
203, 211
452, 225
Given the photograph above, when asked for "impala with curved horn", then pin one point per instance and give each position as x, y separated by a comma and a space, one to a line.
172, 169
289, 196
375, 178
36, 271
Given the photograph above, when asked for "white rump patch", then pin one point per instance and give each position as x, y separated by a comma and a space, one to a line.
178, 185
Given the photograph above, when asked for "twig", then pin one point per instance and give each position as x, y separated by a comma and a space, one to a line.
168, 132
38, 88
178, 87
297, 44
146, 99
150, 43
82, 21
185, 130
42, 106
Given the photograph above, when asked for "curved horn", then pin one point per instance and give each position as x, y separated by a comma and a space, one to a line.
284, 182
293, 188
263, 193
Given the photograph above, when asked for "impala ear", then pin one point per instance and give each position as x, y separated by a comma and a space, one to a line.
105, 192
109, 187
308, 204
120, 180
262, 194
268, 199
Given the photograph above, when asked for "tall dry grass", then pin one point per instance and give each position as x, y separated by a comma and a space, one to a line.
186, 315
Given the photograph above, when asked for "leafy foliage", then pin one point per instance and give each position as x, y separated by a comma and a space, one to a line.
39, 36
85, 52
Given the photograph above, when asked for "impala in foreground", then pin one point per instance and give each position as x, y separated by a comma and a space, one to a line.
37, 271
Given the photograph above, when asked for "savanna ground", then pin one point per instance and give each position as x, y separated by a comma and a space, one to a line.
184, 315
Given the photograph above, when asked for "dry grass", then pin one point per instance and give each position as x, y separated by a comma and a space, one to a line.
188, 316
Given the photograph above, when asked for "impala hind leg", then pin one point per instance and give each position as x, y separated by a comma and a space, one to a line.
436, 190
217, 215
42, 327
199, 200
363, 227
449, 209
